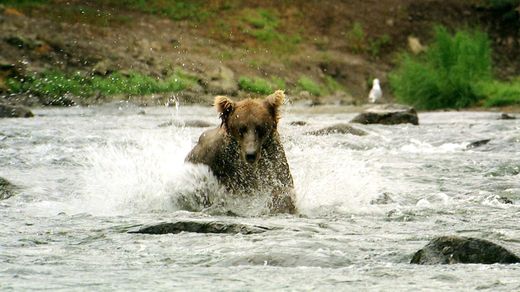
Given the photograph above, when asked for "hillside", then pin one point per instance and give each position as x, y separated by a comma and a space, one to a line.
323, 51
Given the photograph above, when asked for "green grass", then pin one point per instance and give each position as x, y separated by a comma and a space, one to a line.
193, 10
309, 85
498, 93
356, 38
256, 85
263, 25
445, 76
359, 43
261, 85
55, 84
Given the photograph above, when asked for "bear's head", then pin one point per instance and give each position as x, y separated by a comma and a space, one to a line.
250, 122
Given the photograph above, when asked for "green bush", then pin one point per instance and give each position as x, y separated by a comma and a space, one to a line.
55, 84
256, 85
445, 76
500, 93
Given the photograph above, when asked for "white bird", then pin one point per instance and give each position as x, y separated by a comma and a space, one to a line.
376, 93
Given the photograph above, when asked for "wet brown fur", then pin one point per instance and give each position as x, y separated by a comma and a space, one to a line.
245, 153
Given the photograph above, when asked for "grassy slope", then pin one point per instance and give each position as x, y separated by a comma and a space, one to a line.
298, 45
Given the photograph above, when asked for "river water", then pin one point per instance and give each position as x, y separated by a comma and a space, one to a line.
87, 175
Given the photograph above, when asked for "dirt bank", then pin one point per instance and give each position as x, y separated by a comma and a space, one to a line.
341, 45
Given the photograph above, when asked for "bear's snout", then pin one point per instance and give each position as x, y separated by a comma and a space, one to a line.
251, 157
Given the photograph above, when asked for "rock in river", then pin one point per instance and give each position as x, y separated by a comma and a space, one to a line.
389, 114
13, 111
199, 227
338, 129
7, 189
463, 250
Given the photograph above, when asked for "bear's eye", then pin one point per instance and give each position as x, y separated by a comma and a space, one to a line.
242, 130
260, 131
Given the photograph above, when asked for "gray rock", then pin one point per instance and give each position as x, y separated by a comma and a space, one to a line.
14, 111
382, 199
463, 250
221, 80
478, 143
199, 227
505, 116
338, 129
387, 115
298, 123
7, 189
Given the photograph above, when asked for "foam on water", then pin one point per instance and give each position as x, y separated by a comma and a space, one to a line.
148, 174
141, 174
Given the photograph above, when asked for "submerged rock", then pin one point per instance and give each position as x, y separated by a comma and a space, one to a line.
382, 199
14, 111
463, 250
7, 189
298, 123
199, 227
387, 115
188, 123
478, 143
338, 129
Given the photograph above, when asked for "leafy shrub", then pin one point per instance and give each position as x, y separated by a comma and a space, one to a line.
445, 76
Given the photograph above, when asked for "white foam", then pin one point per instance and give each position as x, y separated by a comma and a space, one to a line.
143, 174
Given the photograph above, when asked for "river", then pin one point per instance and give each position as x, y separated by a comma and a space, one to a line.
367, 203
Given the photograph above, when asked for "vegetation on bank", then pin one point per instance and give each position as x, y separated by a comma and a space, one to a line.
499, 93
455, 72
55, 84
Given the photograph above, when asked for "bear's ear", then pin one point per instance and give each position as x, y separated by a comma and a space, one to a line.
224, 106
273, 102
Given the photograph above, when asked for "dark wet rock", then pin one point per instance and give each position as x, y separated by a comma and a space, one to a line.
187, 123
298, 123
504, 200
382, 199
199, 227
463, 250
387, 115
7, 189
505, 116
141, 112
14, 111
478, 143
64, 100
338, 129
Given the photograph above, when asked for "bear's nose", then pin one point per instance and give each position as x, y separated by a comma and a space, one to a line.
250, 157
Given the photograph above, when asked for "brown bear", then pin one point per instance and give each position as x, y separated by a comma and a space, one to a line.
245, 153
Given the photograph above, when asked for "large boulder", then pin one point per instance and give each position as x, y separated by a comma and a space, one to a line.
7, 189
199, 227
14, 111
338, 129
221, 80
389, 114
463, 250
